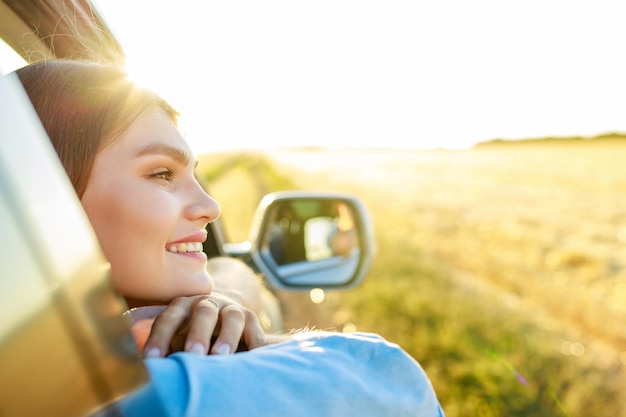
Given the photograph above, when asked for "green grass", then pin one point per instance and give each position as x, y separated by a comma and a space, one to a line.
502, 271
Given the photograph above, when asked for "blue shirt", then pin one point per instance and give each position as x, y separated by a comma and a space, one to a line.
313, 374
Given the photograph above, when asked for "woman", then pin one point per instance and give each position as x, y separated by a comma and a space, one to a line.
134, 174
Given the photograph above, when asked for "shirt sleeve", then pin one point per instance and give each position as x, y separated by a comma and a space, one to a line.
313, 374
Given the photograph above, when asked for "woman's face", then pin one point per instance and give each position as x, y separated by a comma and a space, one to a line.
150, 213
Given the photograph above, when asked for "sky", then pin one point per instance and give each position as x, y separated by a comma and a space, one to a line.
374, 73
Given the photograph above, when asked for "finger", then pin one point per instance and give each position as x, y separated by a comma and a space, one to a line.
165, 326
232, 325
202, 326
253, 333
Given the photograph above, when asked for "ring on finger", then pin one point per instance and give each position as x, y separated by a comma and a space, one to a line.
212, 301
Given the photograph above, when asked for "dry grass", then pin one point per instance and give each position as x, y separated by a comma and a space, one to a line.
547, 226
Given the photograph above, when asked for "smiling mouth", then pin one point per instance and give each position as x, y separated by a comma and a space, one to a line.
185, 247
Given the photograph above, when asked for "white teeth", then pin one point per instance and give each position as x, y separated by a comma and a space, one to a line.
185, 247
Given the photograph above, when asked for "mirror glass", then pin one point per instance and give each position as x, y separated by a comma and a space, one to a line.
311, 230
303, 240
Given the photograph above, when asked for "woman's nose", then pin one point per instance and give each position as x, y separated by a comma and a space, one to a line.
202, 206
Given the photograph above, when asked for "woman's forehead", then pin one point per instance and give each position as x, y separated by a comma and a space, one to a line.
153, 132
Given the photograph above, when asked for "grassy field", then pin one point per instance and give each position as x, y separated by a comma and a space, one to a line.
502, 270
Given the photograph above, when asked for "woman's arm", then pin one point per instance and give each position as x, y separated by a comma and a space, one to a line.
315, 374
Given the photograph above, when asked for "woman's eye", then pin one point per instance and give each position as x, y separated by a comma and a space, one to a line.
167, 175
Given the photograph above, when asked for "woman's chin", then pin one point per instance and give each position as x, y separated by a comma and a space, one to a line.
203, 285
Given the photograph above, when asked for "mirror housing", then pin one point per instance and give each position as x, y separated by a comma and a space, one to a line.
302, 240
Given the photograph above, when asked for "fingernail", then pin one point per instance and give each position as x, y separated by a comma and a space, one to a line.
153, 352
196, 348
222, 349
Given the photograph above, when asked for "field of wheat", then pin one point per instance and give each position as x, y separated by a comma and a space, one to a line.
502, 270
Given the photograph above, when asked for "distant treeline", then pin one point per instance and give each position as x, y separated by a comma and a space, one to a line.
613, 138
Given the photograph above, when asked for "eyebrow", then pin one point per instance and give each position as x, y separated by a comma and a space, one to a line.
176, 154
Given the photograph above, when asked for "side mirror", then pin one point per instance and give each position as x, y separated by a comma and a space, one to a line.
302, 240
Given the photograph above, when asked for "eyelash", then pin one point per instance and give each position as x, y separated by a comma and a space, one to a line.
167, 175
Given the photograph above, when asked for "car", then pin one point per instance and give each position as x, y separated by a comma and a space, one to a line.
65, 349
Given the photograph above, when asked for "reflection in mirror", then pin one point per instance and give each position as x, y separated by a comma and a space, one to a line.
303, 240
311, 230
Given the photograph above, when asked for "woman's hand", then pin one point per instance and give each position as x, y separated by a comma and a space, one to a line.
201, 324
